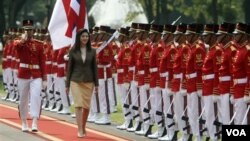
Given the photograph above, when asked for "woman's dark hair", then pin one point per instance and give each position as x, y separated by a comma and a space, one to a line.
76, 46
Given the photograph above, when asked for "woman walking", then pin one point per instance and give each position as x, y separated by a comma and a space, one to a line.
82, 77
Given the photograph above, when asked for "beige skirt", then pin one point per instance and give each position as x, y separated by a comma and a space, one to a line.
82, 93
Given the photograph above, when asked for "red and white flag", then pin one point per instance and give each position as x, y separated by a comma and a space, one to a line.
67, 17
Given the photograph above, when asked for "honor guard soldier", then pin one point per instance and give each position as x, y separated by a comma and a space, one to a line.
224, 38
111, 81
143, 80
122, 79
13, 65
60, 79
56, 95
135, 46
192, 38
166, 75
154, 84
104, 58
6, 65
31, 75
240, 73
210, 79
179, 78
48, 51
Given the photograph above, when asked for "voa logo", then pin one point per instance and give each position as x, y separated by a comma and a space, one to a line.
236, 132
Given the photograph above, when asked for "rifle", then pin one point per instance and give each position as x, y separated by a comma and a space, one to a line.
128, 92
185, 118
245, 116
202, 121
105, 43
174, 22
170, 116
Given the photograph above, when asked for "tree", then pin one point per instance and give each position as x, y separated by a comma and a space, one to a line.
14, 8
247, 10
2, 19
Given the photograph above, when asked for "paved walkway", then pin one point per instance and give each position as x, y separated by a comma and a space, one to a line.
51, 122
9, 133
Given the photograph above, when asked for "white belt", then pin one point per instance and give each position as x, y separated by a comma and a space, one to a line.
29, 66
240, 81
18, 60
4, 59
225, 78
192, 75
209, 76
141, 72
61, 65
153, 70
120, 70
165, 74
54, 64
48, 62
178, 76
13, 58
131, 68
103, 66
9, 57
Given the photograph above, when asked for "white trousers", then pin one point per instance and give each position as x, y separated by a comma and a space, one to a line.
167, 107
93, 104
61, 89
143, 90
123, 90
30, 89
103, 96
135, 100
50, 93
156, 104
114, 86
57, 93
240, 108
178, 110
7, 79
193, 112
223, 106
15, 81
209, 115
111, 95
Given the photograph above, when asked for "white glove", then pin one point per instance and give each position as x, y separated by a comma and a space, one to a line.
168, 92
183, 92
199, 92
247, 98
216, 98
66, 57
44, 84
232, 99
116, 57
